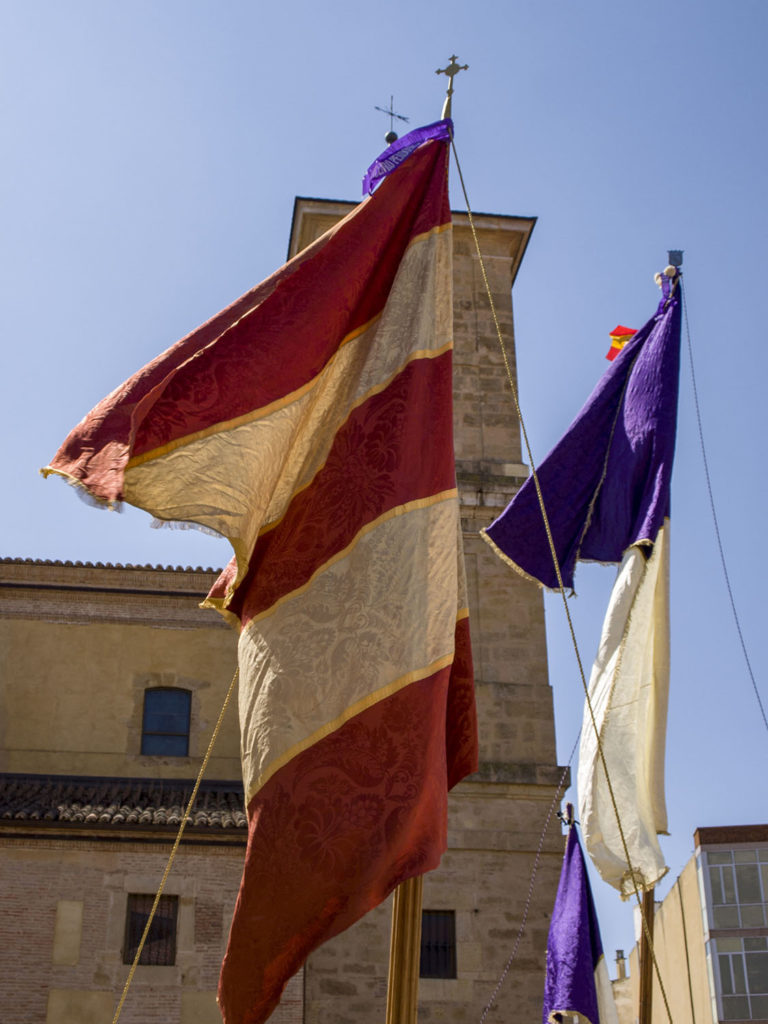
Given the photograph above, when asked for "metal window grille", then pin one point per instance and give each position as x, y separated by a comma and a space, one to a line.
160, 947
438, 944
165, 728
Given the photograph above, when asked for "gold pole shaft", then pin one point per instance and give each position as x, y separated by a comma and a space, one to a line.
404, 953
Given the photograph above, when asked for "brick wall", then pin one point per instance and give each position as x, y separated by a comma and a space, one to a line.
35, 878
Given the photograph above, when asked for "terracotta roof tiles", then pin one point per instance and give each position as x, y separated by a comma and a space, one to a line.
108, 803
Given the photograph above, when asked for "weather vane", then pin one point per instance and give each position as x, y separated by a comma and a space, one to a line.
391, 135
452, 70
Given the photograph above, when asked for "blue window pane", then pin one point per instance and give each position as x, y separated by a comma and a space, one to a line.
168, 746
158, 721
166, 722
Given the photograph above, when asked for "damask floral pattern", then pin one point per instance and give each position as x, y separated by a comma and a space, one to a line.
311, 424
376, 462
352, 817
241, 478
356, 623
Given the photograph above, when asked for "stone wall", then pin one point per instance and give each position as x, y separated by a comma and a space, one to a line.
80, 644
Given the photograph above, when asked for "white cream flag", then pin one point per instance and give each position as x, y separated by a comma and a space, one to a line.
628, 693
606, 489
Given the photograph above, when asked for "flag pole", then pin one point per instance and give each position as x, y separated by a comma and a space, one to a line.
646, 960
405, 953
405, 940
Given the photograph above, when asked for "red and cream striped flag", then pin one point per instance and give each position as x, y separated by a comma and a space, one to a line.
310, 423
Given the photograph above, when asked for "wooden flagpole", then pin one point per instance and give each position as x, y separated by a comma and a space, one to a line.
404, 953
645, 1008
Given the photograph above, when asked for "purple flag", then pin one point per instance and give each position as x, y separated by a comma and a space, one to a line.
402, 148
577, 978
606, 482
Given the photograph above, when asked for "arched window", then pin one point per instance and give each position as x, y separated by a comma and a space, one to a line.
165, 727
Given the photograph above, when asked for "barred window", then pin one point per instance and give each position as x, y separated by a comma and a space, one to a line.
165, 728
741, 977
438, 944
160, 947
738, 887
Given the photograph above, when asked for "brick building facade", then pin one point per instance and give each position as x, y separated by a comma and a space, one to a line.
87, 818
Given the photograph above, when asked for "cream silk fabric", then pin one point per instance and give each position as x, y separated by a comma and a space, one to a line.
628, 691
219, 467
353, 620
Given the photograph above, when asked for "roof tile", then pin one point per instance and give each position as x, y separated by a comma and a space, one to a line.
102, 802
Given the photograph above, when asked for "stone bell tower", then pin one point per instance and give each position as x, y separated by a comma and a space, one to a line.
475, 902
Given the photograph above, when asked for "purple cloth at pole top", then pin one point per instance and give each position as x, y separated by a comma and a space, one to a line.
574, 946
401, 149
606, 482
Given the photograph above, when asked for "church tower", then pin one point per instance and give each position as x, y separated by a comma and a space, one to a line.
475, 903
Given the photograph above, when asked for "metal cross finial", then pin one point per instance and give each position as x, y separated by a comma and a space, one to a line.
452, 70
391, 135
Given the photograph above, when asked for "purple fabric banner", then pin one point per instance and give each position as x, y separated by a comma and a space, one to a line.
574, 947
606, 482
401, 149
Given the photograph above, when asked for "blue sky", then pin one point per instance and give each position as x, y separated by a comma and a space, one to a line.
152, 154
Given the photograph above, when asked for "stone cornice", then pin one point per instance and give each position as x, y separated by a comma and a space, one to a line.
83, 592
501, 236
486, 488
159, 835
507, 772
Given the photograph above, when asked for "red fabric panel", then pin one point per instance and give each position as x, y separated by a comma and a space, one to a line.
461, 715
241, 361
378, 461
340, 826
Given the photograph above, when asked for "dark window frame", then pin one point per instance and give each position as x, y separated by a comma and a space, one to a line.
160, 948
172, 736
438, 944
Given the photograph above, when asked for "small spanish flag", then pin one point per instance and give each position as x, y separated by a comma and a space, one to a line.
619, 338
